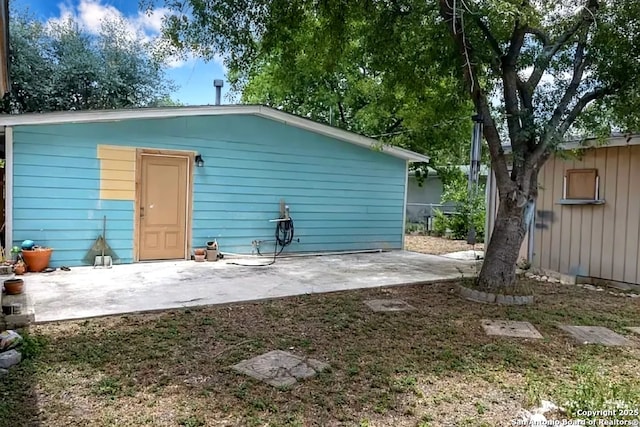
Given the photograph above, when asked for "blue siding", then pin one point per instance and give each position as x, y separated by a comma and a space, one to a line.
341, 196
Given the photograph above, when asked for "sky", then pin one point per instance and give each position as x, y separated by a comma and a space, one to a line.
194, 77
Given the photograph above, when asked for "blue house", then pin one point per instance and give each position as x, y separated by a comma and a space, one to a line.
168, 180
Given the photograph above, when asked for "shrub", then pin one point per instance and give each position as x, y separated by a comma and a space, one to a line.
440, 223
470, 209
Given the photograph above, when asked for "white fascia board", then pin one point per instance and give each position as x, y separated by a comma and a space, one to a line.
217, 110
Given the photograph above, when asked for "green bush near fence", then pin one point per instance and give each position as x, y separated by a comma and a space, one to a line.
470, 210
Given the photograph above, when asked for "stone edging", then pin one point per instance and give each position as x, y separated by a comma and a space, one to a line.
479, 296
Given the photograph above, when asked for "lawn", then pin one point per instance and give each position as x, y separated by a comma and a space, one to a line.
430, 367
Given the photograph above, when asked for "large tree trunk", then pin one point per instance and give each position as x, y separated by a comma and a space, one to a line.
499, 267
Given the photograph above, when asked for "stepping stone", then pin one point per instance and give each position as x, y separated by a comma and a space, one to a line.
388, 305
635, 329
279, 368
510, 328
595, 335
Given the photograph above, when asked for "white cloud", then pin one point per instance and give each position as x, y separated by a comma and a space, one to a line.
146, 27
152, 21
90, 14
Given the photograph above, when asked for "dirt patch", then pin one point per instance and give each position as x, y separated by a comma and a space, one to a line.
433, 366
437, 245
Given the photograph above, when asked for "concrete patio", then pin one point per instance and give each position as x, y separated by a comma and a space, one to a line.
88, 292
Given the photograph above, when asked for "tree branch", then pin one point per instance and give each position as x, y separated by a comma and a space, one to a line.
342, 116
543, 149
577, 109
550, 50
526, 112
540, 34
393, 126
515, 44
493, 42
510, 81
495, 46
479, 98
580, 63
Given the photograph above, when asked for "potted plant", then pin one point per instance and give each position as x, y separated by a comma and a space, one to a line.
199, 254
37, 258
15, 253
19, 267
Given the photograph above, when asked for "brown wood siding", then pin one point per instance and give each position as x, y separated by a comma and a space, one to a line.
600, 241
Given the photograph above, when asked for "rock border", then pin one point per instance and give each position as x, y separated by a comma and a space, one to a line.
487, 297
551, 279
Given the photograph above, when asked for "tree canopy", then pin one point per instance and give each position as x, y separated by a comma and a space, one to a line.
347, 81
536, 71
61, 66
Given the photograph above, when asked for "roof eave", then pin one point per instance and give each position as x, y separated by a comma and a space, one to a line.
613, 141
258, 110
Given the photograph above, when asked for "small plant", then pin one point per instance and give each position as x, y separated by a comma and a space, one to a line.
414, 227
191, 421
32, 346
481, 408
594, 391
108, 386
440, 223
524, 264
470, 209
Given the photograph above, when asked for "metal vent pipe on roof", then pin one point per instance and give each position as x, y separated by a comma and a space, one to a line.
218, 83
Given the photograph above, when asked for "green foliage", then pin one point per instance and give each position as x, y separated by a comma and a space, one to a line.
414, 227
593, 391
440, 223
32, 345
471, 209
305, 58
63, 67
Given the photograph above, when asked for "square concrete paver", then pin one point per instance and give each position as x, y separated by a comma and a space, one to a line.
279, 368
635, 329
595, 335
389, 305
509, 328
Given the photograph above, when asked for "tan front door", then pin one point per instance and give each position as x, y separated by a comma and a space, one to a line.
163, 207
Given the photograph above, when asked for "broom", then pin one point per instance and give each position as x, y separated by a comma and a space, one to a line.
101, 250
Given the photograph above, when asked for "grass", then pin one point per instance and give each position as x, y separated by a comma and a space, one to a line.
430, 367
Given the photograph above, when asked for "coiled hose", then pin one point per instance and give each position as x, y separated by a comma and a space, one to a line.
283, 238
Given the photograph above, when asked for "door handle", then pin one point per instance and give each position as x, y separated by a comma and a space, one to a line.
142, 212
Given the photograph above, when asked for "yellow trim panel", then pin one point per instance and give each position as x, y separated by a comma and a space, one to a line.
117, 172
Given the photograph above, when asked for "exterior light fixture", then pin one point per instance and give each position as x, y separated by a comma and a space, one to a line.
199, 161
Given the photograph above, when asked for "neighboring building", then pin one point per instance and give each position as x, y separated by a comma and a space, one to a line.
587, 216
64, 171
423, 200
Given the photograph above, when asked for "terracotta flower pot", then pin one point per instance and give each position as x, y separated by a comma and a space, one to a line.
13, 286
198, 258
37, 259
19, 268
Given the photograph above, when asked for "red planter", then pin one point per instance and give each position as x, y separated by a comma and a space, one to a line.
37, 259
13, 286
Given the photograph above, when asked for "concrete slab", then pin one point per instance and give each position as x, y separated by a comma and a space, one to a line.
509, 328
389, 305
88, 292
279, 368
595, 335
635, 329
